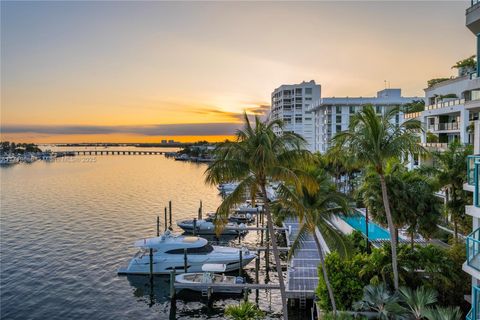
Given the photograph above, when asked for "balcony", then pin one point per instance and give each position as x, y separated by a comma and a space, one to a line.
473, 250
446, 126
412, 115
474, 313
471, 164
445, 104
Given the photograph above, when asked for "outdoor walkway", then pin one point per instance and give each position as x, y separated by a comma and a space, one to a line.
302, 275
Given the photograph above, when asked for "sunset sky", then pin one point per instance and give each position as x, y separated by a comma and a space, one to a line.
145, 71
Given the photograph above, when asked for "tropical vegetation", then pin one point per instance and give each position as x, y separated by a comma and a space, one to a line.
244, 311
255, 158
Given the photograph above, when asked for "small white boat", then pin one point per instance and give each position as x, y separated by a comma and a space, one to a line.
207, 227
168, 254
208, 276
183, 157
29, 158
8, 160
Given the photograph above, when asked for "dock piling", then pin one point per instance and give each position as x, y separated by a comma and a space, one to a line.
185, 261
257, 266
241, 262
151, 263
172, 284
165, 218
194, 226
170, 211
200, 211
158, 226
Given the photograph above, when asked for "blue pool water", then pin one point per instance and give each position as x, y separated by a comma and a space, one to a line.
375, 232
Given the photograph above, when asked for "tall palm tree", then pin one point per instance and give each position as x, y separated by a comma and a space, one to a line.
418, 301
374, 140
256, 157
451, 173
316, 210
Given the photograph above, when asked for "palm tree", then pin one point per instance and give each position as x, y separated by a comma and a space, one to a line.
444, 313
244, 311
256, 157
418, 301
378, 299
316, 210
374, 140
451, 173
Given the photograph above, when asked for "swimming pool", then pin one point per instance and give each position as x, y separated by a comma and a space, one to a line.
375, 232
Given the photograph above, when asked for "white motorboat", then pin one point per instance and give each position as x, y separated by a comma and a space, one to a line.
207, 227
168, 255
236, 217
29, 158
227, 187
48, 156
183, 157
209, 276
8, 160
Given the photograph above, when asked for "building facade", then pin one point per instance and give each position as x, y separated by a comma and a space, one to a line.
292, 104
472, 106
332, 115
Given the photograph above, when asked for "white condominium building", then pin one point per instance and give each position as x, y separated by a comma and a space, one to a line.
471, 97
291, 104
332, 115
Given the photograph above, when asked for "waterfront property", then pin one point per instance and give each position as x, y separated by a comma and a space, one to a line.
471, 103
291, 104
332, 115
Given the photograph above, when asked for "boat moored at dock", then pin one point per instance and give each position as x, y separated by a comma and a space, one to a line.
210, 275
207, 227
172, 252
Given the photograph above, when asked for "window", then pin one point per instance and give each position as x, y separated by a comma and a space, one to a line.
338, 128
298, 91
378, 109
338, 119
200, 250
308, 90
298, 119
298, 106
338, 109
308, 99
352, 109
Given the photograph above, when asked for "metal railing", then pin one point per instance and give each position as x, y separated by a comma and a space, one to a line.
471, 160
444, 126
474, 312
473, 249
476, 192
412, 115
445, 104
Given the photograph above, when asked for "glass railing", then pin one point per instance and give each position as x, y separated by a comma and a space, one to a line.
473, 249
471, 160
444, 126
476, 193
444, 104
474, 313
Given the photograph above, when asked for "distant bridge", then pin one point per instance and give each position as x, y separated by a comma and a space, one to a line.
112, 152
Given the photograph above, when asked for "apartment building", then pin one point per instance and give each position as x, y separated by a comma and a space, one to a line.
291, 104
332, 115
472, 106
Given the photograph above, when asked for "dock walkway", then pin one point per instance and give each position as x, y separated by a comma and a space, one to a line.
302, 274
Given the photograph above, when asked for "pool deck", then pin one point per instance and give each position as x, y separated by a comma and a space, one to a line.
302, 274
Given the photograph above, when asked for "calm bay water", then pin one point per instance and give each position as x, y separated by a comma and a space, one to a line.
66, 226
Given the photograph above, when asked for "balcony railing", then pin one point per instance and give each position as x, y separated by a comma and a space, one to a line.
471, 160
445, 104
444, 126
474, 313
473, 249
476, 192
412, 115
